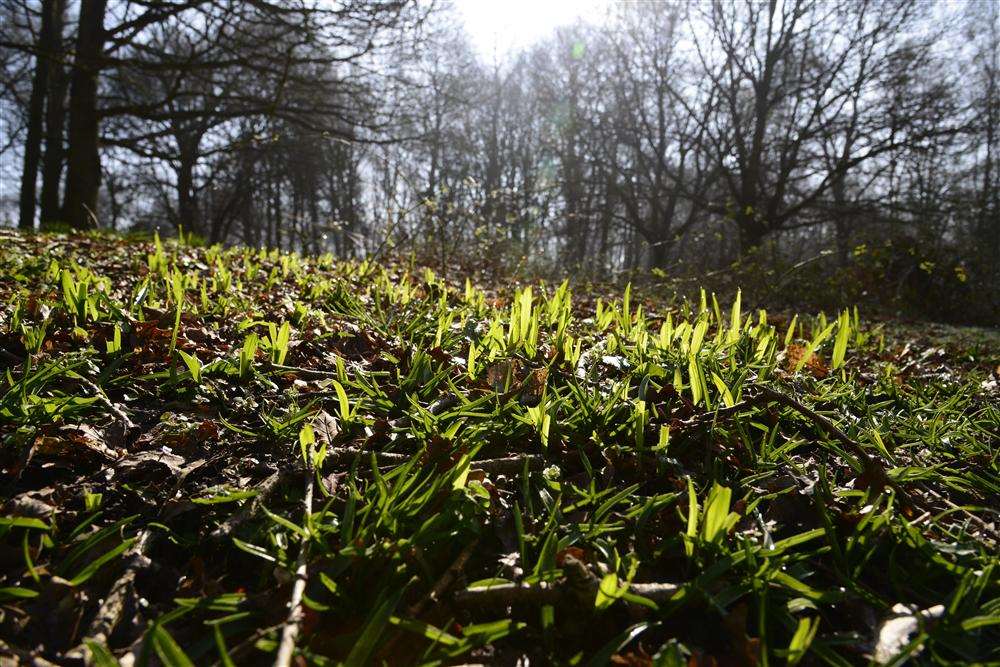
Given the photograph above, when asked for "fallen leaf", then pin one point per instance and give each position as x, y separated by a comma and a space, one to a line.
896, 631
574, 552
71, 439
814, 365
325, 428
534, 385
632, 659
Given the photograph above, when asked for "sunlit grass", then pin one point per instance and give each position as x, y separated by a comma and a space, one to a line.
433, 472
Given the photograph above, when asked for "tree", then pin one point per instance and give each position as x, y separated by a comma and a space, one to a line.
273, 42
47, 63
83, 177
55, 121
797, 78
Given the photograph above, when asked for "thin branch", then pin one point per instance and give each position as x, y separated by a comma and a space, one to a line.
579, 586
266, 489
828, 426
115, 410
109, 614
294, 620
508, 465
983, 525
442, 585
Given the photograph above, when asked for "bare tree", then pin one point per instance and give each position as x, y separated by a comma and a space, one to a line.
47, 55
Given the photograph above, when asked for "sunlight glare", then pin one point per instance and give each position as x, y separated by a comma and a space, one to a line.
497, 27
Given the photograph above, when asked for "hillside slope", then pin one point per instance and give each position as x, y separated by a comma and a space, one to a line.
218, 456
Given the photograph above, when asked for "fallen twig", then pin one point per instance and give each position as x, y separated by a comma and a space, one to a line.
872, 468
831, 429
509, 465
709, 418
579, 586
264, 493
435, 408
115, 410
987, 528
434, 595
348, 454
293, 622
307, 372
546, 593
237, 652
763, 395
109, 613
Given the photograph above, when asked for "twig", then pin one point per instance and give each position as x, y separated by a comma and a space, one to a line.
579, 586
439, 588
115, 410
831, 429
434, 595
764, 395
308, 372
108, 614
435, 408
294, 620
510, 465
264, 493
872, 468
345, 454
958, 508
236, 653
110, 611
709, 418
547, 593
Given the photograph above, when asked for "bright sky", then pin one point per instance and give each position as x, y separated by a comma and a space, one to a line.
502, 26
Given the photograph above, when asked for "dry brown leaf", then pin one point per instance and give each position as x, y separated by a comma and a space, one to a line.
499, 373
632, 659
534, 385
326, 428
69, 439
746, 649
815, 365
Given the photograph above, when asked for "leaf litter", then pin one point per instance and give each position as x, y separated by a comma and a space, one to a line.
218, 456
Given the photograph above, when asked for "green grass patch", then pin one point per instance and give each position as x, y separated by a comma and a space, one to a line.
228, 456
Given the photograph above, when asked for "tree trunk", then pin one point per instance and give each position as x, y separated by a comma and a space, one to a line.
83, 177
277, 214
45, 48
187, 206
55, 120
842, 221
989, 231
752, 232
113, 190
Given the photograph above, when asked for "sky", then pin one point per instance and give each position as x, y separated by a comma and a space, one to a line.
502, 26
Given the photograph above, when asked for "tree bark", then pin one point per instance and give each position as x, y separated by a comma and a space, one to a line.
752, 233
46, 47
841, 220
83, 177
187, 206
55, 120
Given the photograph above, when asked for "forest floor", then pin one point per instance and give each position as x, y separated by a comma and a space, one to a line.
226, 456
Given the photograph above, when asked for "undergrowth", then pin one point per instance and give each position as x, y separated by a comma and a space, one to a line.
230, 456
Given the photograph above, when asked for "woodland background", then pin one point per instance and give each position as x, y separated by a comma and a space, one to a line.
819, 153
